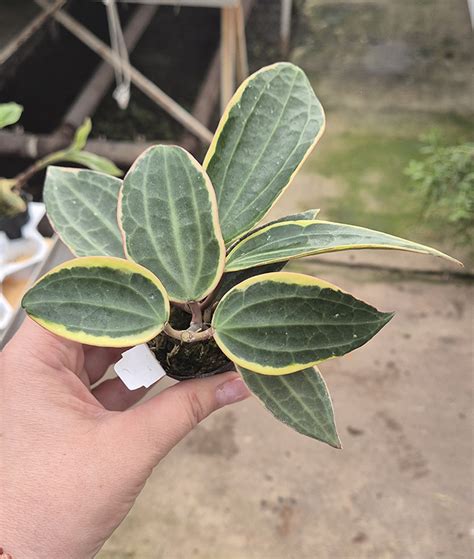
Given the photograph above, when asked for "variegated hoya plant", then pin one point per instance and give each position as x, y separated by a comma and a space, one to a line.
173, 256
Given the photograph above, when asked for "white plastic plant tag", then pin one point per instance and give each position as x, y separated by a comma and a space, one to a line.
139, 367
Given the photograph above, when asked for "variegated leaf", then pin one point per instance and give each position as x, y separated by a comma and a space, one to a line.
82, 208
280, 323
300, 400
268, 129
100, 301
168, 214
295, 239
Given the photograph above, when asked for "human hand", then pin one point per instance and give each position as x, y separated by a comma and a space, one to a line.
73, 460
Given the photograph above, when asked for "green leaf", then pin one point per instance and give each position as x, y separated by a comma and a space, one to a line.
74, 153
92, 161
100, 301
300, 400
11, 203
281, 322
82, 208
301, 216
169, 218
268, 129
295, 239
308, 214
9, 113
81, 135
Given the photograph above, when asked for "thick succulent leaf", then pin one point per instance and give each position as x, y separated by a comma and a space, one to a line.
82, 208
269, 127
92, 161
81, 135
294, 239
100, 301
282, 322
9, 113
168, 214
300, 400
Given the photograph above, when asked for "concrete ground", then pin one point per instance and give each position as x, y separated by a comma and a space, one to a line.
244, 486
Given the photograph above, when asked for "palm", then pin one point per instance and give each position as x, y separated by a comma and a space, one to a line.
80, 456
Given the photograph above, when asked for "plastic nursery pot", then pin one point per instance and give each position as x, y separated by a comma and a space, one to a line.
183, 361
11, 226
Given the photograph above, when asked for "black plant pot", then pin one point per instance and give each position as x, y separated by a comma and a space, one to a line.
12, 225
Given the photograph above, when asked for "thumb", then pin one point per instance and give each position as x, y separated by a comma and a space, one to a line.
165, 419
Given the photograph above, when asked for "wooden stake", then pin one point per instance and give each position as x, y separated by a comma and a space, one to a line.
208, 95
141, 81
285, 25
31, 28
91, 95
227, 56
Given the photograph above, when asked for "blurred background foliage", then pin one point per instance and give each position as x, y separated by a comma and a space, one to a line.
444, 176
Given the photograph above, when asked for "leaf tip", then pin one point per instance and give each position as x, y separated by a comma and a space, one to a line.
456, 261
387, 317
449, 258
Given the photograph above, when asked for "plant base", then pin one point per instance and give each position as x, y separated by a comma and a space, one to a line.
183, 361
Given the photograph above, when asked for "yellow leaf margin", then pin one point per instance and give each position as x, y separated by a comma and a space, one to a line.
417, 247
105, 341
223, 121
276, 277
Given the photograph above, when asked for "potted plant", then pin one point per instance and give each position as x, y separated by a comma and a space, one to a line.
13, 198
13, 207
173, 256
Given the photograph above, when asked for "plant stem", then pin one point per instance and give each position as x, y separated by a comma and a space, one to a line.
187, 335
23, 178
207, 314
210, 298
196, 316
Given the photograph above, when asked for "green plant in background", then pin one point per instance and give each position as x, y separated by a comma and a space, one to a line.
445, 178
11, 203
10, 113
11, 200
173, 256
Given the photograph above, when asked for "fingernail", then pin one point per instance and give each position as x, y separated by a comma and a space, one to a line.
231, 391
